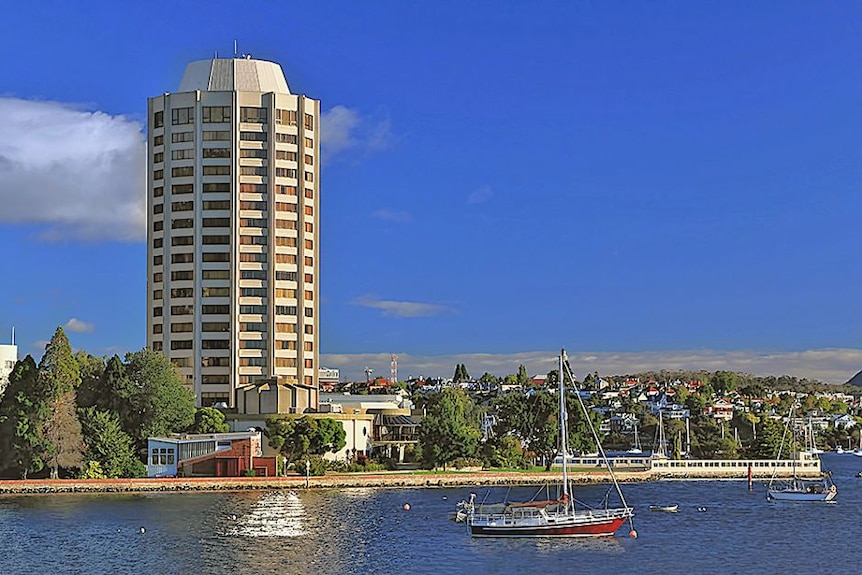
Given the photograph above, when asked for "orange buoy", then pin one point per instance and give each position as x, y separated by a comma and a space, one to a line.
633, 534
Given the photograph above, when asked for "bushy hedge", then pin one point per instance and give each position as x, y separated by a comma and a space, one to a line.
462, 462
317, 467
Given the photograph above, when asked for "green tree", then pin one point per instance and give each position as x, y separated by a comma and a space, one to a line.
157, 402
461, 374
450, 429
296, 438
768, 442
209, 420
58, 368
23, 411
110, 390
724, 381
533, 419
507, 452
110, 450
58, 377
64, 443
580, 437
488, 379
523, 378
706, 440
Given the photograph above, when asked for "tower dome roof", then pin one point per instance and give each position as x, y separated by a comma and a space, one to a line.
234, 74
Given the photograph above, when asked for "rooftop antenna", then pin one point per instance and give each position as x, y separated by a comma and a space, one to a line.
13, 335
234, 48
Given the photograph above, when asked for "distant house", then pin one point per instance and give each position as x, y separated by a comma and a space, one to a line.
693, 385
721, 409
539, 380
843, 421
208, 455
675, 411
508, 387
625, 423
327, 378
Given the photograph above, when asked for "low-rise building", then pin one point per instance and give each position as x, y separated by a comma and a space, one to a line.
208, 455
395, 428
328, 379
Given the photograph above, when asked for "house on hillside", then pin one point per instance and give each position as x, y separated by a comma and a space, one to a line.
539, 380
721, 409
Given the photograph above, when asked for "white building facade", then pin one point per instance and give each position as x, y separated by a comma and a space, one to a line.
233, 231
8, 359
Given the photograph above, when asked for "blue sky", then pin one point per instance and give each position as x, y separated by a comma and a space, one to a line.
651, 185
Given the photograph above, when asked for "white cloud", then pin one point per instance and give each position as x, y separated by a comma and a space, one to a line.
481, 195
344, 129
79, 326
401, 308
828, 365
399, 217
80, 174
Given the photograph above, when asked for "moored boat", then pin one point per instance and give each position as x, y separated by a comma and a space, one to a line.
798, 488
666, 508
556, 517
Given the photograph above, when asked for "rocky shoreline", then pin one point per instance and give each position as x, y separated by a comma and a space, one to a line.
328, 481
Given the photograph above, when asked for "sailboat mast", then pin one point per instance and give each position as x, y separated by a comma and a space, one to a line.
688, 436
563, 432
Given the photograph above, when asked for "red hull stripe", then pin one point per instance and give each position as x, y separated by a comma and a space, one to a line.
592, 530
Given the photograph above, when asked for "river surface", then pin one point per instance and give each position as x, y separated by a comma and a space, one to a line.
721, 527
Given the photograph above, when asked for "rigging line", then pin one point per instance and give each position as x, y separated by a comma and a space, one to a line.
781, 445
601, 449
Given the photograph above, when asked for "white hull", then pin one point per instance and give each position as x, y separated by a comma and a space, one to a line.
795, 495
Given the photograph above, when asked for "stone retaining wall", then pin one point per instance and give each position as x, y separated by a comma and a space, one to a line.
343, 481
328, 481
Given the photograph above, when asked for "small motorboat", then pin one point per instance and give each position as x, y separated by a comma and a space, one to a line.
666, 508
859, 474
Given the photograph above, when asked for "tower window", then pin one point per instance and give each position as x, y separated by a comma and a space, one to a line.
252, 115
182, 116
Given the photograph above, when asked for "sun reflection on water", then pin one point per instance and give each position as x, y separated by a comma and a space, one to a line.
275, 514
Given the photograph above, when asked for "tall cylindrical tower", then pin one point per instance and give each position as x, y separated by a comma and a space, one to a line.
233, 251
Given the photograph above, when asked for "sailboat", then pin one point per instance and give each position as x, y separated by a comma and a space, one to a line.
660, 443
636, 448
796, 488
560, 517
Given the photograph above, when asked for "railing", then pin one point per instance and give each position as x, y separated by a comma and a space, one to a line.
701, 467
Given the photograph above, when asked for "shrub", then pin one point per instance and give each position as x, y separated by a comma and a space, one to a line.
316, 468
92, 470
462, 462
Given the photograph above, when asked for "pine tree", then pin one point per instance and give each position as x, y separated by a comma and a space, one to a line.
57, 379
523, 378
64, 443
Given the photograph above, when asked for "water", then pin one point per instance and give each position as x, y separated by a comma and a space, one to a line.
368, 531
